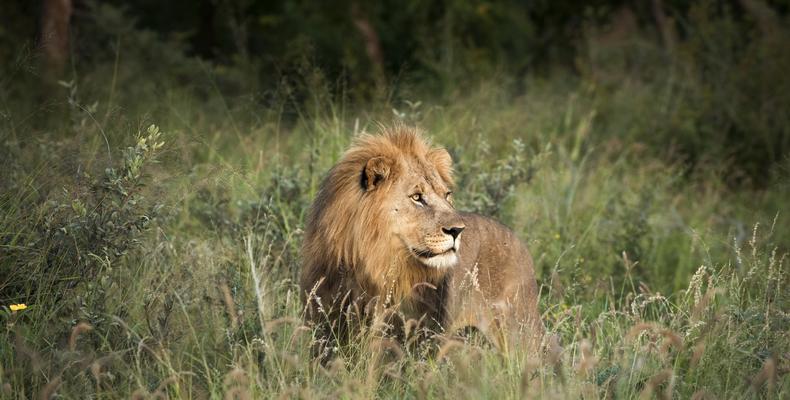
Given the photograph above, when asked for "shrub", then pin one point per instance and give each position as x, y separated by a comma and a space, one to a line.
56, 244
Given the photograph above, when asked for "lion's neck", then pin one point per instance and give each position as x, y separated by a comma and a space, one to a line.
399, 279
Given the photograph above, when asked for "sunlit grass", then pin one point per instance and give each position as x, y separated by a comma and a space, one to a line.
655, 281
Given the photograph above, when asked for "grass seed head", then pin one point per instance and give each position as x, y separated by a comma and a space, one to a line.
78, 330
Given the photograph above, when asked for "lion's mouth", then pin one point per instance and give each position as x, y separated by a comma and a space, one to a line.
444, 259
429, 254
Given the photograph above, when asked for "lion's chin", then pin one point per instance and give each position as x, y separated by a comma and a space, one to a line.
445, 260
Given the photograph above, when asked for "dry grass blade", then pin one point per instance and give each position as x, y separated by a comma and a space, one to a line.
230, 305
654, 383
275, 323
447, 347
637, 329
766, 376
554, 355
23, 350
587, 360
78, 330
236, 376
237, 384
702, 394
697, 353
140, 394
529, 373
237, 393
671, 339
49, 390
161, 390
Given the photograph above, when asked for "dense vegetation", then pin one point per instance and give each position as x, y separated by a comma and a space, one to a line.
152, 196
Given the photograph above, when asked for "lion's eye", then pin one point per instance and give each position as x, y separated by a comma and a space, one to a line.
416, 197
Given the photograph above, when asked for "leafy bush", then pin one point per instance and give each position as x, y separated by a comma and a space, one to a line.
488, 189
67, 240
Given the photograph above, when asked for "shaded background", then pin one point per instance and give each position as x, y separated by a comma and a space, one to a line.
722, 64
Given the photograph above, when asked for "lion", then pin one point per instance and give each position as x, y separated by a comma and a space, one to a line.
383, 235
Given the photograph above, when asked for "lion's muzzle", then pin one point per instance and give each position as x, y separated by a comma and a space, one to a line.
440, 250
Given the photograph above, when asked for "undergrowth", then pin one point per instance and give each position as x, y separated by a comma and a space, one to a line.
646, 295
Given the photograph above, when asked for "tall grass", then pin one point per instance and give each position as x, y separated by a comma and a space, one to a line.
650, 280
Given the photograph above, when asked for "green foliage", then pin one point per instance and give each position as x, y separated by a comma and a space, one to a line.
488, 189
81, 231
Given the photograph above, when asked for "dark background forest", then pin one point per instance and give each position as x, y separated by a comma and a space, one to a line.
734, 53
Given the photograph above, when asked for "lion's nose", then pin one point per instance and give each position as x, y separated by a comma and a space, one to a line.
454, 231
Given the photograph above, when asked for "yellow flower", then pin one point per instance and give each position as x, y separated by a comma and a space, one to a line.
18, 307
557, 236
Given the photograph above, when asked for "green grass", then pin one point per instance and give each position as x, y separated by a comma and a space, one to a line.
180, 281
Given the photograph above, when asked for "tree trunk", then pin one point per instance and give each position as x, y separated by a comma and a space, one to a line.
55, 18
372, 44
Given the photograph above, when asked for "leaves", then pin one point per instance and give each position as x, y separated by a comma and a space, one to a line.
89, 226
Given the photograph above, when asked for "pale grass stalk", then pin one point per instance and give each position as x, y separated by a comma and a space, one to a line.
256, 279
138, 354
258, 286
587, 360
230, 305
198, 342
753, 242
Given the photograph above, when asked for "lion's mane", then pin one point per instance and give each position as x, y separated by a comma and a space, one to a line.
344, 232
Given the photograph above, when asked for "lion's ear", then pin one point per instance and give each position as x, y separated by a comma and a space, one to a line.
377, 169
441, 159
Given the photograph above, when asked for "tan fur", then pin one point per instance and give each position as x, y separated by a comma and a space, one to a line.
382, 234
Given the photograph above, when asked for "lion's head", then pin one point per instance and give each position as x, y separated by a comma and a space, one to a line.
385, 210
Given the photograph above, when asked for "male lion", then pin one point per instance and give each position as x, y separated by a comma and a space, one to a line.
383, 235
